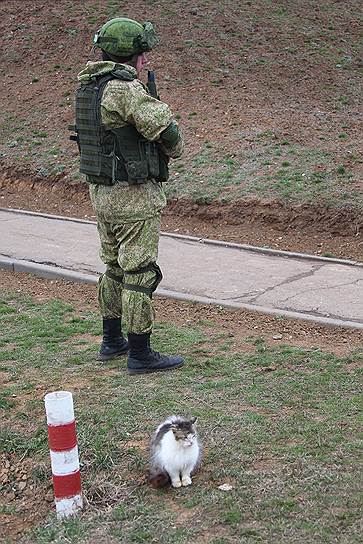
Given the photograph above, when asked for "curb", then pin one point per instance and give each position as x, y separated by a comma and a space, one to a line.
54, 272
46, 271
207, 241
48, 216
265, 250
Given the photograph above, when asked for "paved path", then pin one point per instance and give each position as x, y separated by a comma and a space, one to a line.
311, 288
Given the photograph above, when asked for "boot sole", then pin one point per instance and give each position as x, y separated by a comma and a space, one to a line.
151, 370
110, 357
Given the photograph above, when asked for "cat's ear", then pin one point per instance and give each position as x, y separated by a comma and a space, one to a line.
193, 420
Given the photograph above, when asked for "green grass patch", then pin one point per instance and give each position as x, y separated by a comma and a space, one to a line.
292, 173
280, 425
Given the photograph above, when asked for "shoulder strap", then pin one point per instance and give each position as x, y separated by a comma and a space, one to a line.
123, 75
101, 82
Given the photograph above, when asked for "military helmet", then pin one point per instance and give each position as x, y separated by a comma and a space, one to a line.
123, 37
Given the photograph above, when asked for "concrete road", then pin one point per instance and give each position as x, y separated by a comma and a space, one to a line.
321, 290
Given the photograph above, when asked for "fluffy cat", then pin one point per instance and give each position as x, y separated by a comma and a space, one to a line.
174, 452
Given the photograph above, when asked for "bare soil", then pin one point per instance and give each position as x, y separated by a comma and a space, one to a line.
26, 484
24, 493
237, 74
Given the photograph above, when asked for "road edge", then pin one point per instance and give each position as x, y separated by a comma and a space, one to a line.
207, 241
54, 272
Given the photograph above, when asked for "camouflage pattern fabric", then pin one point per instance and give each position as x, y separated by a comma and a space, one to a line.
127, 248
128, 216
123, 37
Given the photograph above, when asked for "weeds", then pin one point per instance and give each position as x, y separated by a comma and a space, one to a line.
278, 424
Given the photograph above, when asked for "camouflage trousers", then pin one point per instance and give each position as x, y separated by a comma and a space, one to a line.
129, 252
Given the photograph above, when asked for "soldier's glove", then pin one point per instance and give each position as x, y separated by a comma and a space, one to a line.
170, 137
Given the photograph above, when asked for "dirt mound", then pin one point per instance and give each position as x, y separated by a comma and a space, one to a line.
274, 213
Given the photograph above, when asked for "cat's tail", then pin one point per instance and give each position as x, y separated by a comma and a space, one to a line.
159, 478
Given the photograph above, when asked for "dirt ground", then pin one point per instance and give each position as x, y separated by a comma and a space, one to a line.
23, 493
292, 75
25, 484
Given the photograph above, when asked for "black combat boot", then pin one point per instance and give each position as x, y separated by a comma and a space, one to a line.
143, 360
113, 343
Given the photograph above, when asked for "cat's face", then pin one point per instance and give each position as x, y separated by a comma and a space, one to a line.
185, 433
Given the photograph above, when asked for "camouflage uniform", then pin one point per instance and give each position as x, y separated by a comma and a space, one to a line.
128, 216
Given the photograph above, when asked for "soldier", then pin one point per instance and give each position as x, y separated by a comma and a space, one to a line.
126, 137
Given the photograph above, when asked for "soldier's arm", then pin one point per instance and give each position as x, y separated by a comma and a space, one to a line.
172, 141
151, 117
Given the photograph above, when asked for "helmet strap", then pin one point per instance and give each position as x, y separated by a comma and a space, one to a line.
114, 58
92, 53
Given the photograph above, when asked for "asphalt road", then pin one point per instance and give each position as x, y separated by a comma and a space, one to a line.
306, 287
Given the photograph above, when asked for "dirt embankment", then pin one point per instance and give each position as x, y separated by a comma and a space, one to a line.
252, 220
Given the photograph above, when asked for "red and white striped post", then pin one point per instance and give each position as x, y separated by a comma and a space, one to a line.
63, 453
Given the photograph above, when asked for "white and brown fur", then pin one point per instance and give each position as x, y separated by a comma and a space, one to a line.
175, 452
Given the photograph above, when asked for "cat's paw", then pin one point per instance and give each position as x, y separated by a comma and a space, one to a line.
176, 483
186, 481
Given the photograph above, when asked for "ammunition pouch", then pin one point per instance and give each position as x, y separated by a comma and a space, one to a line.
163, 166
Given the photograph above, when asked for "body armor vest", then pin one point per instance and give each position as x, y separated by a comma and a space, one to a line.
115, 154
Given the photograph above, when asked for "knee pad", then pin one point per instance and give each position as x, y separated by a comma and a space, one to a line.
152, 267
115, 277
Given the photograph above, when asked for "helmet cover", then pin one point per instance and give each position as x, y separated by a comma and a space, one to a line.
124, 37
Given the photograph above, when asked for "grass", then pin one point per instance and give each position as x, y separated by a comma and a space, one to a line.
278, 424
273, 168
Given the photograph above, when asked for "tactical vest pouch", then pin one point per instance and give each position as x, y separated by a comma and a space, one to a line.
137, 158
152, 158
163, 167
136, 171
